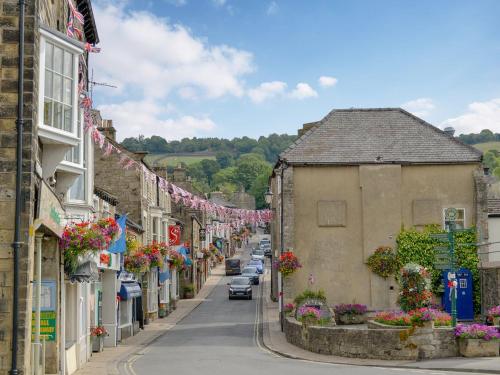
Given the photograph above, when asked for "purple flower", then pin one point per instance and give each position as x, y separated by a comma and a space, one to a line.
477, 331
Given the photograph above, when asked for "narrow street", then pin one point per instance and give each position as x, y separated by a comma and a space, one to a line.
220, 337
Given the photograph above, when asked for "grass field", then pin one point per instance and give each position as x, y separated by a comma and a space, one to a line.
164, 160
486, 146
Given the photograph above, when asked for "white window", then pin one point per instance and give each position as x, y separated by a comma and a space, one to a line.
164, 231
459, 221
76, 154
155, 229
59, 76
106, 210
77, 190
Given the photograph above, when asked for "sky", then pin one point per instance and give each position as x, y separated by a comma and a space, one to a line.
233, 68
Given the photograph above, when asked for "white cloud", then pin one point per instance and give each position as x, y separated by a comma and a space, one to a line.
267, 90
219, 3
177, 3
149, 118
479, 116
146, 55
272, 8
326, 81
303, 91
188, 92
420, 107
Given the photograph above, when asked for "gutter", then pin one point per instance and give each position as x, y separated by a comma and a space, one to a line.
16, 245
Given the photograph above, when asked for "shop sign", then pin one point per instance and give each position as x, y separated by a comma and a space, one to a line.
174, 235
47, 325
203, 234
50, 211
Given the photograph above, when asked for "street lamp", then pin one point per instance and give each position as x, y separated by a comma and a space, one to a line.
268, 195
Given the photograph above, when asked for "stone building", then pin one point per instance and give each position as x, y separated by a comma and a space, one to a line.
352, 181
241, 199
141, 198
53, 176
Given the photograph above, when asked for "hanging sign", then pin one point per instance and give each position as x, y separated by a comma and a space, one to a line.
174, 235
203, 234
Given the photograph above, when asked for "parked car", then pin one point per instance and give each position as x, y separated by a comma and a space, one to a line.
240, 287
268, 252
258, 254
265, 242
258, 264
233, 267
252, 273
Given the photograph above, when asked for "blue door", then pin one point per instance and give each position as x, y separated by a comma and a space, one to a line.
465, 306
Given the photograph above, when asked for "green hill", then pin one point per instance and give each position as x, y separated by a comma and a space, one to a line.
486, 146
172, 160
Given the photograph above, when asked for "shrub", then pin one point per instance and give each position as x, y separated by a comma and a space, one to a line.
310, 294
494, 311
384, 261
351, 309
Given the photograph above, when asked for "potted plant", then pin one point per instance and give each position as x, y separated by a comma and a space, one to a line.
351, 313
287, 263
423, 317
494, 313
97, 334
309, 315
384, 261
188, 291
415, 291
288, 309
477, 340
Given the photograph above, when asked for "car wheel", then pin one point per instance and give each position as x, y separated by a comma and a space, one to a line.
250, 297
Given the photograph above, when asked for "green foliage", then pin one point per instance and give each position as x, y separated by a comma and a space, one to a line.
485, 135
415, 246
310, 294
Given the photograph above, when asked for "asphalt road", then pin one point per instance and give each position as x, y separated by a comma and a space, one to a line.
220, 337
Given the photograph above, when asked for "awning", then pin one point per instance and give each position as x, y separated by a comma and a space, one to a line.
86, 272
130, 290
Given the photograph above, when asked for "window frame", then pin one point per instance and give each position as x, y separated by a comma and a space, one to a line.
76, 52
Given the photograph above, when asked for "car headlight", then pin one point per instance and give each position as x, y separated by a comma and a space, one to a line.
249, 289
231, 290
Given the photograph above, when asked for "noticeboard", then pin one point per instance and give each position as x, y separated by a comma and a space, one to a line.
48, 321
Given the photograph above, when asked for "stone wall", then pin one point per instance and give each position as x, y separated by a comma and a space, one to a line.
390, 343
9, 57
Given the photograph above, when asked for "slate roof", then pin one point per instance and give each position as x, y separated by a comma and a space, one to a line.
493, 207
377, 136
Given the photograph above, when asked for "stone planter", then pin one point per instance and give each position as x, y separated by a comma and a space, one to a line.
496, 321
97, 344
352, 319
478, 348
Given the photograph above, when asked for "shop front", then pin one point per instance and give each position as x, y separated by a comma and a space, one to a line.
129, 306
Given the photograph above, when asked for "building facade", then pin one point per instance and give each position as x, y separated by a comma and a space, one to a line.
351, 182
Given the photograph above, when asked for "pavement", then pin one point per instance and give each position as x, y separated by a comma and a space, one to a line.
213, 334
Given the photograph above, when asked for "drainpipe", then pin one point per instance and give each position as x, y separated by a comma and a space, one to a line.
38, 295
16, 245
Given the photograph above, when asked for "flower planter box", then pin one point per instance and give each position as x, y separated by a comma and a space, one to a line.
478, 348
97, 344
352, 318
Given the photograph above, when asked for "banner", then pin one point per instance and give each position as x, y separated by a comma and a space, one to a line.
174, 235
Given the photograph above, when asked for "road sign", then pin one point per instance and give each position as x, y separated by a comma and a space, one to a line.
451, 214
442, 266
443, 237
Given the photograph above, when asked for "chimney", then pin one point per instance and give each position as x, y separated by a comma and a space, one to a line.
306, 127
160, 171
449, 130
179, 174
107, 129
141, 154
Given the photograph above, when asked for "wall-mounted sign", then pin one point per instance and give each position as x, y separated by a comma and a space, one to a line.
174, 235
203, 234
47, 295
50, 211
48, 321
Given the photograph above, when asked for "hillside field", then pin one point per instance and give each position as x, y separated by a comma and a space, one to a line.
486, 146
164, 160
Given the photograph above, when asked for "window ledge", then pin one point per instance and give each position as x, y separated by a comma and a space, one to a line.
69, 167
51, 135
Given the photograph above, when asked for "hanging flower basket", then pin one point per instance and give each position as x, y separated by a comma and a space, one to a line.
287, 264
415, 283
109, 228
153, 252
136, 263
206, 253
384, 261
81, 239
175, 260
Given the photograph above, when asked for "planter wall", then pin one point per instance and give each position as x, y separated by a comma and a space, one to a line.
378, 343
351, 319
478, 348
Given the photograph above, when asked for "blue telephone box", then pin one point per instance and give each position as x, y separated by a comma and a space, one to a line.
465, 306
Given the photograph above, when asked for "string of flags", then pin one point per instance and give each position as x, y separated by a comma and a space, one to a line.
235, 217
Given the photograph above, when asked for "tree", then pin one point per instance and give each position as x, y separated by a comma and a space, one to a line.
248, 167
259, 188
225, 176
224, 158
210, 167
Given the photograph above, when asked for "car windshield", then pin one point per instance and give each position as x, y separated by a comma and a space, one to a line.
240, 281
249, 269
255, 263
265, 241
258, 252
